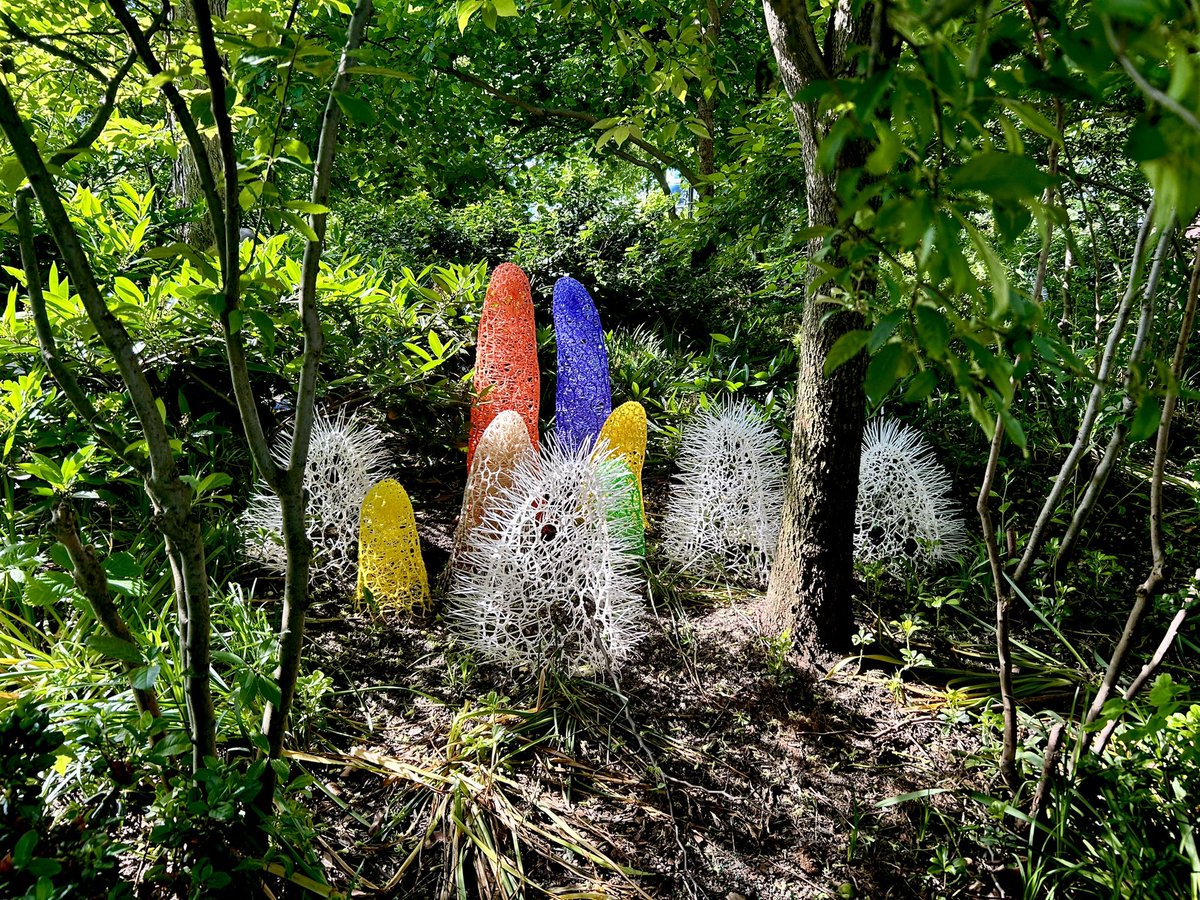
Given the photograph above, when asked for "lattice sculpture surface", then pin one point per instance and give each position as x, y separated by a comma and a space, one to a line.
583, 395
624, 433
625, 515
726, 504
905, 510
390, 565
345, 458
506, 364
504, 446
550, 578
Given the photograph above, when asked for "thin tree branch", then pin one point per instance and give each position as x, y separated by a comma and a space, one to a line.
110, 330
50, 356
1008, 703
291, 490
44, 44
1037, 536
183, 115
230, 221
92, 582
1164, 100
108, 103
1150, 588
1116, 442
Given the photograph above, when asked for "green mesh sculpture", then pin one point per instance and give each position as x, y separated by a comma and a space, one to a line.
625, 511
624, 433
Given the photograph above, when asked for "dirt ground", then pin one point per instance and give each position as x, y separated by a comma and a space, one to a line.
708, 771
711, 767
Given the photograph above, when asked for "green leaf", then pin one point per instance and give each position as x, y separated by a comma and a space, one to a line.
268, 690
116, 648
1034, 120
1135, 12
1145, 142
883, 158
188, 253
921, 386
359, 110
266, 328
299, 224
23, 851
505, 8
11, 173
173, 743
883, 330
466, 9
1146, 419
1012, 427
933, 331
307, 207
143, 679
384, 72
845, 349
890, 363
1011, 218
1004, 175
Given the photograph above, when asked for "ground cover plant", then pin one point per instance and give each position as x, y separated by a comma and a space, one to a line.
513, 448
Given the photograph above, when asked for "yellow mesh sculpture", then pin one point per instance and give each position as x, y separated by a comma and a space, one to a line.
389, 552
504, 445
624, 432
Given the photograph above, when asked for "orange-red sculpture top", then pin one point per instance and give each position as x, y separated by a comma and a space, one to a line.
506, 365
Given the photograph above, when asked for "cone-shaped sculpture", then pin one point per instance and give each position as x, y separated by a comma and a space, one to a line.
506, 366
547, 578
625, 509
504, 445
390, 566
625, 434
583, 398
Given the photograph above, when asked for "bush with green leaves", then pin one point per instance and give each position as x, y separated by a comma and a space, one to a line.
44, 856
1125, 823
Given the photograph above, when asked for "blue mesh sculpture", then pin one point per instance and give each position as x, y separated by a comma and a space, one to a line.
583, 398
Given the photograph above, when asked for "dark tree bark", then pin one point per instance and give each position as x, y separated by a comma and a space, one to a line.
811, 583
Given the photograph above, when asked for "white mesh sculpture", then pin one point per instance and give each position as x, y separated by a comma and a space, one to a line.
726, 505
345, 458
905, 511
548, 578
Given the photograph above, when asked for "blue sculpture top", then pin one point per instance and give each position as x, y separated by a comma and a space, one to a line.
583, 398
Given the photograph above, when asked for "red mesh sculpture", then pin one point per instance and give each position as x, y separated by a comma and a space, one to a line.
506, 365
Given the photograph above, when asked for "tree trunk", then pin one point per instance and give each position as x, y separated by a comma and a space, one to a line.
185, 174
813, 576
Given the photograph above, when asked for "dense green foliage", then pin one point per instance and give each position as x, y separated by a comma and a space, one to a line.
996, 176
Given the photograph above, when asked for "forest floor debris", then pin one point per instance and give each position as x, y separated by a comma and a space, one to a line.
742, 778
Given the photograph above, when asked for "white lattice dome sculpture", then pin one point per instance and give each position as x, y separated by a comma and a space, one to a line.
345, 458
726, 505
905, 510
549, 577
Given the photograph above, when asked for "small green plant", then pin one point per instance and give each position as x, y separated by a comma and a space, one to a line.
778, 648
